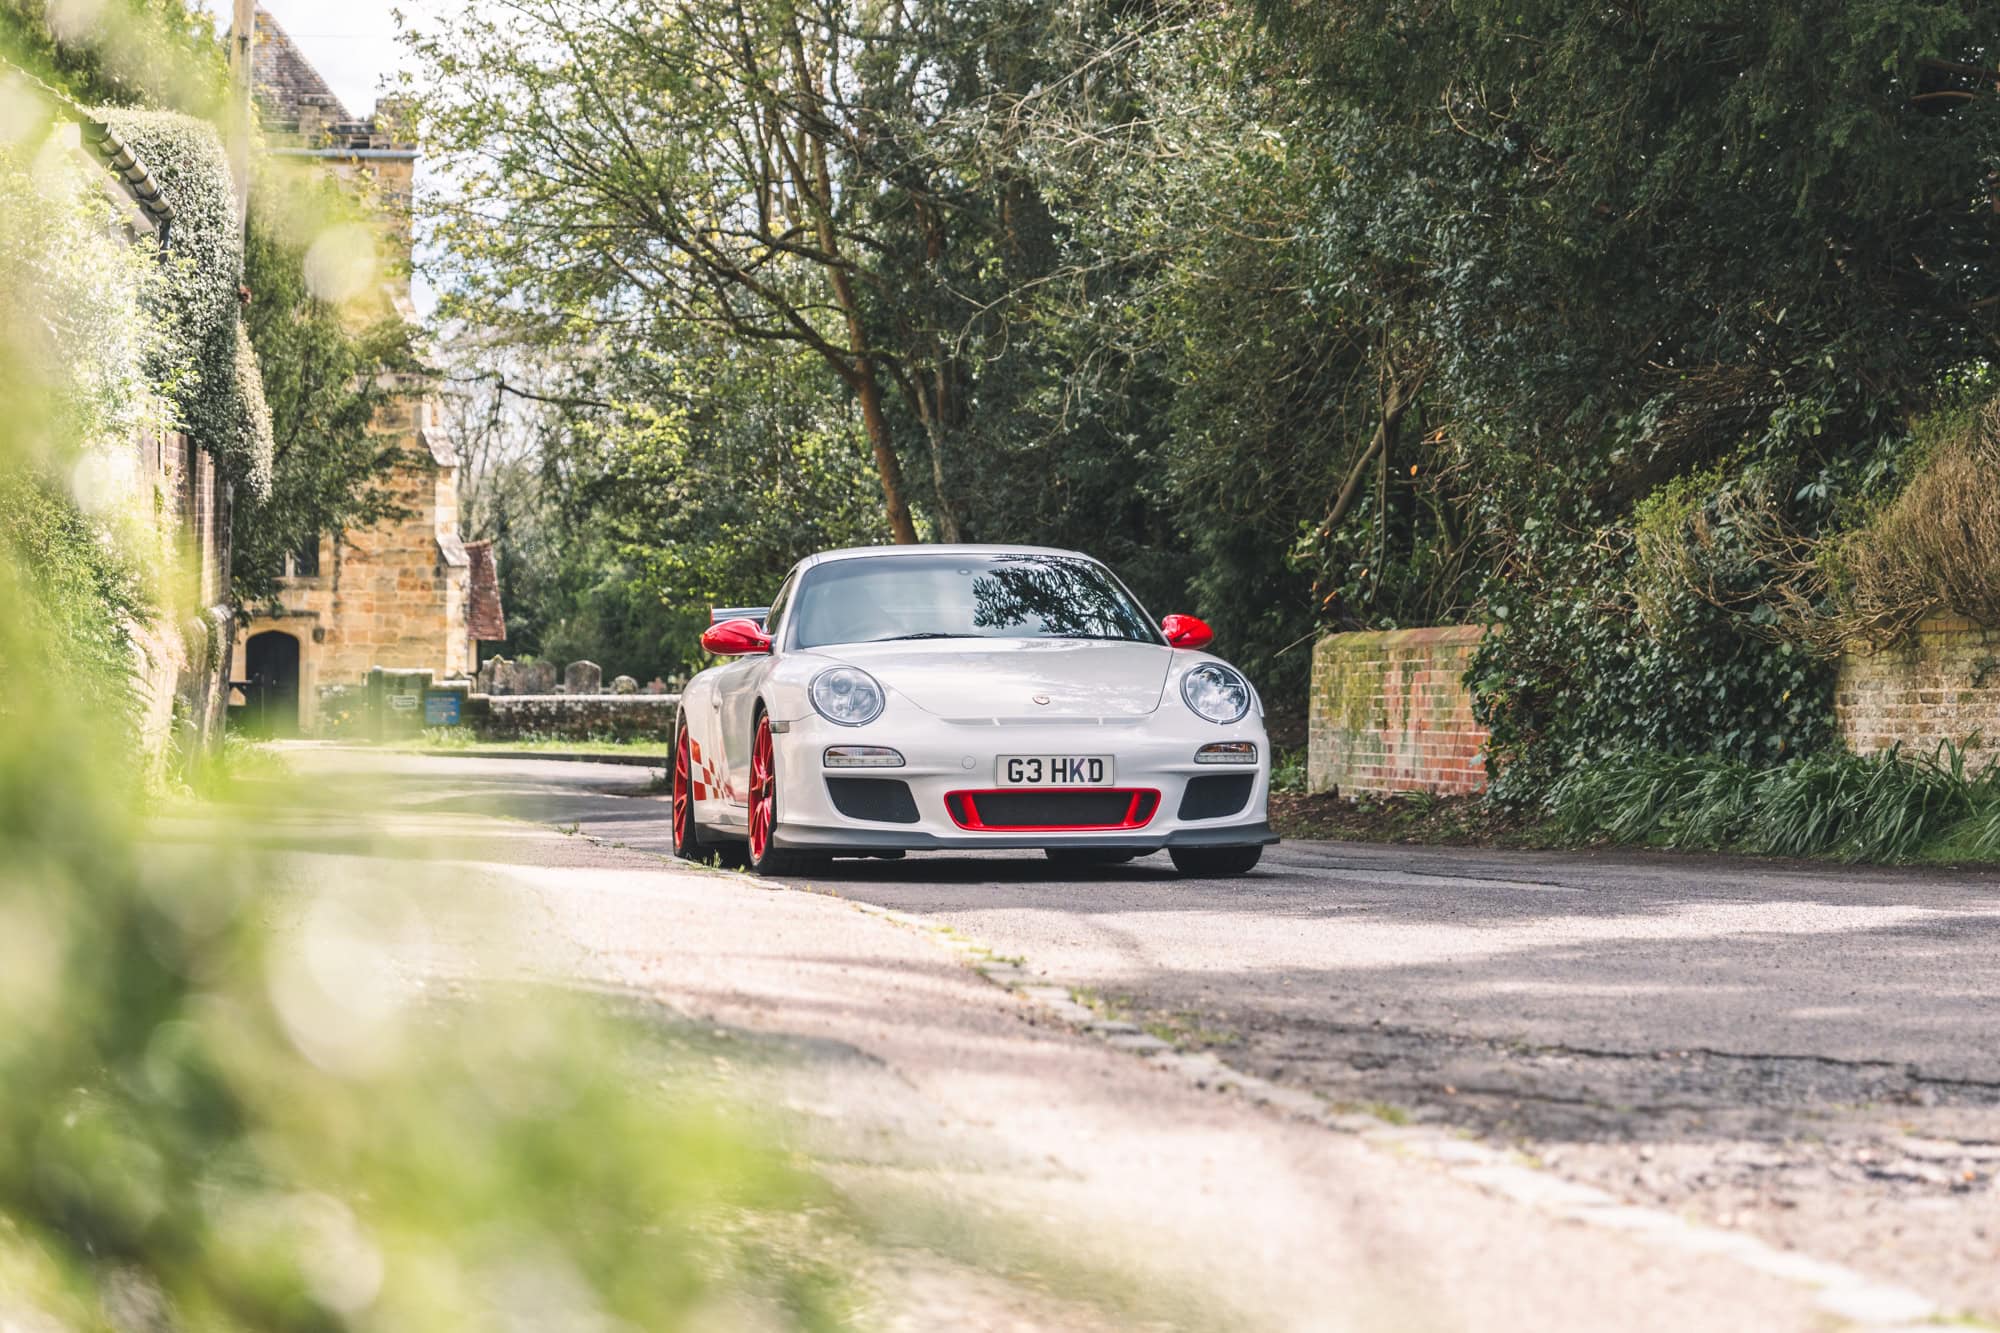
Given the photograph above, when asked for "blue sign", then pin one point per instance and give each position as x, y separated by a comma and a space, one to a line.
441, 708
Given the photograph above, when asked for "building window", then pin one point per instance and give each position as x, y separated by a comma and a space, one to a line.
305, 560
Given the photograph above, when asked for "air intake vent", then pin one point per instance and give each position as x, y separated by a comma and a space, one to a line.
1062, 808
1216, 795
884, 800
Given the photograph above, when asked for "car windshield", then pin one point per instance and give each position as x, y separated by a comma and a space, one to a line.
997, 595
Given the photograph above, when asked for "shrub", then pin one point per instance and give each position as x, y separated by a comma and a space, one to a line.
328, 368
206, 1125
1933, 548
1883, 807
74, 385
1578, 672
219, 397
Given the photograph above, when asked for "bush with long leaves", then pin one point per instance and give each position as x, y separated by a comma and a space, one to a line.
1883, 807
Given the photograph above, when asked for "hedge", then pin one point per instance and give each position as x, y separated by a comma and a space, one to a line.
220, 401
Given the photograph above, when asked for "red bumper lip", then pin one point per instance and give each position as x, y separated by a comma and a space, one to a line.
1141, 804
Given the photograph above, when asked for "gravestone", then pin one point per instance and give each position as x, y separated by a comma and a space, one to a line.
534, 678
583, 678
496, 677
624, 685
656, 686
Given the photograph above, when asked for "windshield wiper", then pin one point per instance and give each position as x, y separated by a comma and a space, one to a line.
926, 634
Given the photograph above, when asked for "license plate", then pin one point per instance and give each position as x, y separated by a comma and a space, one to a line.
1055, 770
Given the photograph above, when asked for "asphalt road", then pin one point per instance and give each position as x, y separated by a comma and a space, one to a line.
1809, 1053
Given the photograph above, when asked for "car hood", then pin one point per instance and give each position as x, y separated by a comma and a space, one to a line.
1006, 678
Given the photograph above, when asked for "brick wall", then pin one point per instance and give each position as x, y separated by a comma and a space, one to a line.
1388, 713
1944, 684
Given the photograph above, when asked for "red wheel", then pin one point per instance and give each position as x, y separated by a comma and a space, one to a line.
764, 858
687, 842
763, 794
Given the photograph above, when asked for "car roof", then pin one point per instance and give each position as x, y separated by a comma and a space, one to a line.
931, 548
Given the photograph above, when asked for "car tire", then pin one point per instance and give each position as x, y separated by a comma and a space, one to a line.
1211, 862
1083, 858
688, 844
764, 858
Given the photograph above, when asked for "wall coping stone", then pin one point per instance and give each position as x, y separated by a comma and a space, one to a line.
616, 700
1398, 638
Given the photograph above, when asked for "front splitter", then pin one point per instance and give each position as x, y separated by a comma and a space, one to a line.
829, 841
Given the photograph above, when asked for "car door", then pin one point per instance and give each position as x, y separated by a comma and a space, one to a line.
736, 701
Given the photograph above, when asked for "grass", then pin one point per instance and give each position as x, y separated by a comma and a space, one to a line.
1884, 808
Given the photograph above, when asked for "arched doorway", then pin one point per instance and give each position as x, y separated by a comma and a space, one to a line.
271, 684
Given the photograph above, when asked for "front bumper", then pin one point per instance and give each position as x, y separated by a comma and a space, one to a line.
876, 838
941, 757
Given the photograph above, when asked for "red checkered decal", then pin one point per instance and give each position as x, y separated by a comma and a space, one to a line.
707, 781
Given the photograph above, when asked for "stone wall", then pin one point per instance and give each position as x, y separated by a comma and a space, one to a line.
1388, 712
625, 717
391, 595
1942, 685
179, 668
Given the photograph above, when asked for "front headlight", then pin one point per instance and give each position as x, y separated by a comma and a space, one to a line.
847, 695
1216, 692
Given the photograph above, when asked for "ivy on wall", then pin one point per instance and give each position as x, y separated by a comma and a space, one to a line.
331, 365
79, 344
219, 395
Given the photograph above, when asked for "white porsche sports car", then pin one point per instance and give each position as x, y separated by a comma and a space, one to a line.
895, 699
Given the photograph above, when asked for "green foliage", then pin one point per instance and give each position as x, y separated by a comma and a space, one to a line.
121, 52
1628, 245
1288, 771
634, 514
208, 1126
95, 354
1364, 316
75, 592
1879, 808
1933, 547
218, 395
1575, 675
330, 365
74, 376
873, 254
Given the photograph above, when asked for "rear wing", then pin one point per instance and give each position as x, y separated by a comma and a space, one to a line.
718, 614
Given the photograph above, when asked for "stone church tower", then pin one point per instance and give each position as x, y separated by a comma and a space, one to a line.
407, 593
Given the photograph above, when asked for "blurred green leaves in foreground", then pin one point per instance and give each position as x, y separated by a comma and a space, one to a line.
204, 1124
205, 1121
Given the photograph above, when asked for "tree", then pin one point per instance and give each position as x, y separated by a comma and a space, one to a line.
818, 178
1660, 244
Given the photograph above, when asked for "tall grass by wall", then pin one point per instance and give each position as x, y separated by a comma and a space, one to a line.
1884, 807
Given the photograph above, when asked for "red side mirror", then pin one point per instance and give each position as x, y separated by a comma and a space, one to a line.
735, 638
1187, 632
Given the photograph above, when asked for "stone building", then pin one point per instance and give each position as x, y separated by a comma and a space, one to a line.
407, 593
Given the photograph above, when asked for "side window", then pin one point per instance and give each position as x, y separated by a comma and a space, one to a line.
774, 620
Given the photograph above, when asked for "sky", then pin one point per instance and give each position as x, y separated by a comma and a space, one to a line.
352, 43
